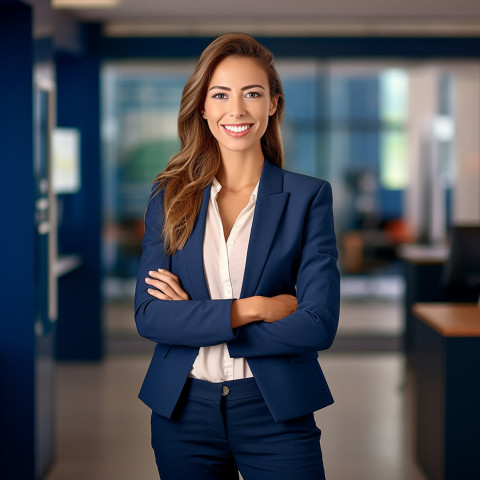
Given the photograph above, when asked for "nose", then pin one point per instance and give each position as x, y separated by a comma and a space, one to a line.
238, 107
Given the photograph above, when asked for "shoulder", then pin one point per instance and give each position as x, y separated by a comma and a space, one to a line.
157, 193
299, 186
299, 183
156, 199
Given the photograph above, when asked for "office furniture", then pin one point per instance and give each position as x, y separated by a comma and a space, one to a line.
447, 390
423, 266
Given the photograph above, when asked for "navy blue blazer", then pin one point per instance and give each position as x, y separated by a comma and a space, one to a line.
292, 249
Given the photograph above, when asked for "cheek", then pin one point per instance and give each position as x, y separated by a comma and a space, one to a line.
212, 115
263, 112
213, 127
264, 117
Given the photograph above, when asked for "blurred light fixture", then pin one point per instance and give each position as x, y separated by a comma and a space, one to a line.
85, 3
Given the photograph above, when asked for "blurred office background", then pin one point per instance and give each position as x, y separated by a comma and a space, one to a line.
382, 100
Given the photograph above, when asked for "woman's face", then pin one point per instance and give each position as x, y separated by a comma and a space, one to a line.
238, 104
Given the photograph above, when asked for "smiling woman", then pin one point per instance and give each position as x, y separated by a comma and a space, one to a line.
238, 283
194, 166
238, 105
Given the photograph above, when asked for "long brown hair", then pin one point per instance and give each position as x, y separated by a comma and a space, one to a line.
192, 169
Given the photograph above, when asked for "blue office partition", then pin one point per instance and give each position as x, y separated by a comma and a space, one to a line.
17, 245
79, 327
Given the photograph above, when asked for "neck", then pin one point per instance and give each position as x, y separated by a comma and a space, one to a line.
239, 170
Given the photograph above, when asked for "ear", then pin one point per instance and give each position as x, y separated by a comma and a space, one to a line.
273, 106
202, 113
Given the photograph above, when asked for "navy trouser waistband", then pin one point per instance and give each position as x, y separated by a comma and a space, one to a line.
235, 389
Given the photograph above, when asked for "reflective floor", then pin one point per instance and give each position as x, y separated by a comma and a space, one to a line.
103, 429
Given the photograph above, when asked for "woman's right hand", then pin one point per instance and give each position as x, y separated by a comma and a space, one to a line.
268, 309
165, 285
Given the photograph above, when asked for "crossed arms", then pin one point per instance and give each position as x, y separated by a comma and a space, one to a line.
253, 326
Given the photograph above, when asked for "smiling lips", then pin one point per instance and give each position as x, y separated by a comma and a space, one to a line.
238, 130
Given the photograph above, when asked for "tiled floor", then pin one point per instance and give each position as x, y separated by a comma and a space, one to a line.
103, 429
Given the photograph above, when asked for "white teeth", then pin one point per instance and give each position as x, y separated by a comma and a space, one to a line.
234, 129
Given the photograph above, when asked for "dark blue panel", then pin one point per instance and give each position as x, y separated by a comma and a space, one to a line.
17, 281
322, 47
43, 48
79, 329
351, 47
461, 417
175, 47
392, 204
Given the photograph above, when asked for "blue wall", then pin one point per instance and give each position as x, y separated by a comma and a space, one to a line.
322, 47
79, 329
17, 246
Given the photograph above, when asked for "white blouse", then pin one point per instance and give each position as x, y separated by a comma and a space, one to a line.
224, 264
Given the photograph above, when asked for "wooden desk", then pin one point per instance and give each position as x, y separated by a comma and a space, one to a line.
423, 271
448, 390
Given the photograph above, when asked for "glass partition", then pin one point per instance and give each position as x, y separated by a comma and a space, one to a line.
383, 133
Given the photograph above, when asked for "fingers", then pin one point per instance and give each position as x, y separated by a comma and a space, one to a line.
158, 294
166, 286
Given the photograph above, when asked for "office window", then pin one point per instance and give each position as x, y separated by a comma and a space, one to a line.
140, 109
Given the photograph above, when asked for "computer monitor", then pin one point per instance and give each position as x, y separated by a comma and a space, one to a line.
462, 270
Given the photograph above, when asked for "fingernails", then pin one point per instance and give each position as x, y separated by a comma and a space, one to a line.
160, 269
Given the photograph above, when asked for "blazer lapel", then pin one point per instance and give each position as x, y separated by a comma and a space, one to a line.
192, 253
271, 202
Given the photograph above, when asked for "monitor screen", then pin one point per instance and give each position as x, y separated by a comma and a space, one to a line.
462, 270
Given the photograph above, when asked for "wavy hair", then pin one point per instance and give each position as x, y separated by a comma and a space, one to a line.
192, 169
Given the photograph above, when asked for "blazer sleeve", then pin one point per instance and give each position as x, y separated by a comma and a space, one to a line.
193, 323
314, 324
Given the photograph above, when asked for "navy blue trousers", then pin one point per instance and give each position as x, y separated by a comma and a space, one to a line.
219, 429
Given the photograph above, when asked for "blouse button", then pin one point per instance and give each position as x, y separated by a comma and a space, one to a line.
231, 243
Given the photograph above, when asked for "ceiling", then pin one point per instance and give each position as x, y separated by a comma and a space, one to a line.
287, 17
273, 17
283, 9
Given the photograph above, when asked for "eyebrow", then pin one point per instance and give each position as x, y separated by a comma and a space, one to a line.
242, 89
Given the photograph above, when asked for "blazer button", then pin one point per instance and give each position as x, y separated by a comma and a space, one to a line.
225, 391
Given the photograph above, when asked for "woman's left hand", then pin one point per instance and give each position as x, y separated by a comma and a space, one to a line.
166, 286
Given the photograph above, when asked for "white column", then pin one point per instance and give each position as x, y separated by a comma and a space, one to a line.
466, 195
422, 107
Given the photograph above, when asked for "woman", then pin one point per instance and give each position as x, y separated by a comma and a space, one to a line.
238, 283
